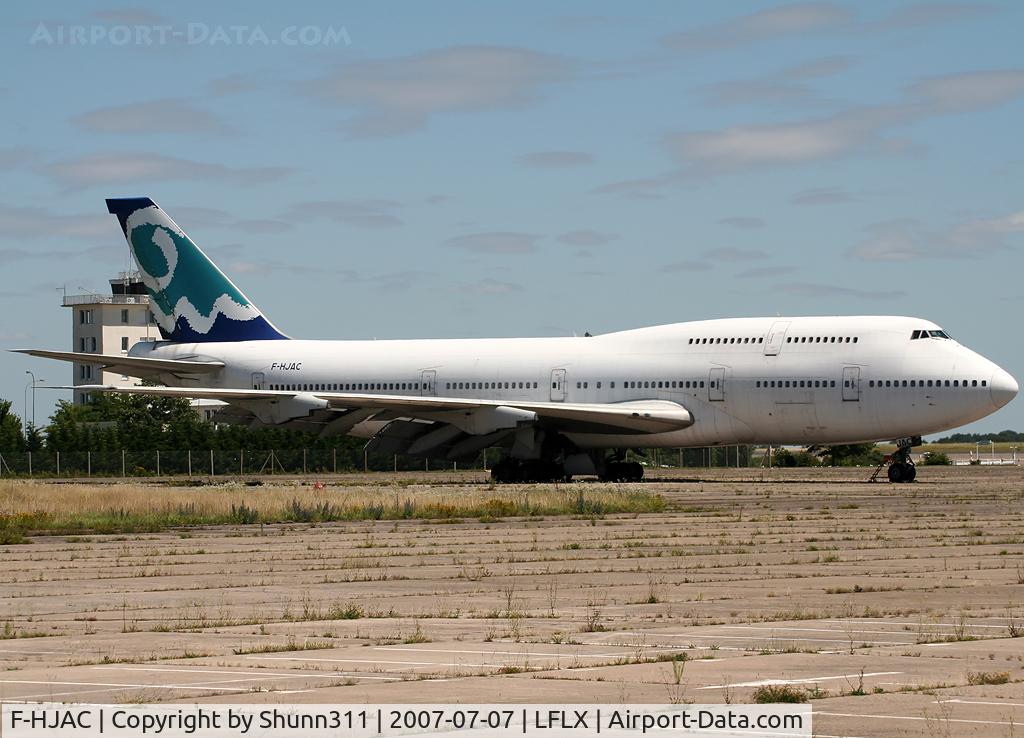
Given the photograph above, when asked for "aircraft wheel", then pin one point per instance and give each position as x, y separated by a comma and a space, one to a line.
900, 472
615, 471
505, 471
910, 473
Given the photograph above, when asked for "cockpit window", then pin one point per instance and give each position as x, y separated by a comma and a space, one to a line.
928, 334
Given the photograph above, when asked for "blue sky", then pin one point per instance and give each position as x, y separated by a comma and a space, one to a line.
474, 169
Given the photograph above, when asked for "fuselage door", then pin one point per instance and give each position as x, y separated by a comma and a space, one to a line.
258, 381
851, 383
559, 388
776, 335
428, 383
716, 385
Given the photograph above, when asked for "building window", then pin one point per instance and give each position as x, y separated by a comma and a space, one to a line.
124, 316
124, 343
92, 342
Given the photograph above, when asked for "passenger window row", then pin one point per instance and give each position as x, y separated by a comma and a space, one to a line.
821, 339
348, 387
927, 383
661, 384
726, 340
794, 383
490, 385
789, 339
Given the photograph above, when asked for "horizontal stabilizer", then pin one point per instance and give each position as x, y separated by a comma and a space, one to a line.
134, 366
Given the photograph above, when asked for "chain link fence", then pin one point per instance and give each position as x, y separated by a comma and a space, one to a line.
215, 463
243, 462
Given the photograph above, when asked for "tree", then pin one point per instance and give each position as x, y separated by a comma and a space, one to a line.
853, 454
11, 438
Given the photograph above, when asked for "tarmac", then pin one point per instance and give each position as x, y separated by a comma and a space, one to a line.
890, 606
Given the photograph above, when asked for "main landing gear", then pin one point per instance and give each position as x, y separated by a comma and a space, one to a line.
510, 470
622, 471
901, 466
562, 468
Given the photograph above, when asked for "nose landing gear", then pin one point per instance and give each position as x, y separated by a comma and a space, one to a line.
901, 466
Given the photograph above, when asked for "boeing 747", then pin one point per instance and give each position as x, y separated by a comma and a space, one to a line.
558, 406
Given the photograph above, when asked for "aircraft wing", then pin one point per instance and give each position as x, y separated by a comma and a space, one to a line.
474, 416
134, 366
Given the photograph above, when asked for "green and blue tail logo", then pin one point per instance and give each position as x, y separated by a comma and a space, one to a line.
191, 298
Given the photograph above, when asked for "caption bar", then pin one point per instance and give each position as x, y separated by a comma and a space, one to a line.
54, 720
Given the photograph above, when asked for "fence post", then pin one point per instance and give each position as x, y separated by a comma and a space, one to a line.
30, 463
122, 464
364, 460
211, 464
396, 462
88, 463
158, 462
58, 463
190, 462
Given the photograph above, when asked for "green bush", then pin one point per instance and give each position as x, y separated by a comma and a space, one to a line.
770, 693
936, 459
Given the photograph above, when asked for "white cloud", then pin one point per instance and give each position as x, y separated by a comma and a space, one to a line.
760, 272
810, 20
728, 253
822, 196
856, 129
394, 96
763, 25
127, 167
16, 156
586, 237
34, 222
130, 16
968, 90
788, 87
489, 286
744, 222
233, 84
170, 115
557, 159
495, 243
368, 213
818, 291
676, 267
906, 240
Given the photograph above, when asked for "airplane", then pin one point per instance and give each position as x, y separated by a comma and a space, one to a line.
559, 406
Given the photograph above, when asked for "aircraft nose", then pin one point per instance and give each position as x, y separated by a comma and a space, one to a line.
1004, 387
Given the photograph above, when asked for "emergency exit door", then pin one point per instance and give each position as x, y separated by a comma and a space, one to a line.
559, 388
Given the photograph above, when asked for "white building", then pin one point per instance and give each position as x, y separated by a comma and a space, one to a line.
109, 324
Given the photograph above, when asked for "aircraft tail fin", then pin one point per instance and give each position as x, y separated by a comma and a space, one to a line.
192, 300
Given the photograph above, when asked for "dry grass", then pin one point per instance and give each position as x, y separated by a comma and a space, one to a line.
133, 507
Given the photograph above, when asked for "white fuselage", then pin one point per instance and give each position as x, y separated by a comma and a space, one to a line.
744, 380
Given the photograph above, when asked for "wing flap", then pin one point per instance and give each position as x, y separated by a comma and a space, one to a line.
642, 416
